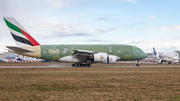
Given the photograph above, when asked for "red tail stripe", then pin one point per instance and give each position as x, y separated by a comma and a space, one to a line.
32, 40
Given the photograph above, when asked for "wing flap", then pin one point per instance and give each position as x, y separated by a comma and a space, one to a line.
19, 49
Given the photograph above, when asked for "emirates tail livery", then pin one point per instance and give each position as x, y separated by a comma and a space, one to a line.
79, 55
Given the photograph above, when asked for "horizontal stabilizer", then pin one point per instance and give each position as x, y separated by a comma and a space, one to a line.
19, 49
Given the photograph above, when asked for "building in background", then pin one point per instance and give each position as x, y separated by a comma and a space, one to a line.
150, 56
2, 56
13, 56
9, 56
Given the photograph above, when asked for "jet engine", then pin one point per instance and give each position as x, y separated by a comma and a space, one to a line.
105, 58
100, 57
112, 59
68, 59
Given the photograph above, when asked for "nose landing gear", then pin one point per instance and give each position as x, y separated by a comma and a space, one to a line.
138, 64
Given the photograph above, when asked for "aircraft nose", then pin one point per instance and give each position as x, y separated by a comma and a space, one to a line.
144, 55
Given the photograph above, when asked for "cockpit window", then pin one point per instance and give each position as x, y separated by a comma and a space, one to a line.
137, 50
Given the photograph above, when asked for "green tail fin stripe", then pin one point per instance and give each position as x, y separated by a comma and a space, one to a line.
13, 27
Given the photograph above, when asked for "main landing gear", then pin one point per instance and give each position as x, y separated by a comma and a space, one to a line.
81, 65
137, 65
169, 62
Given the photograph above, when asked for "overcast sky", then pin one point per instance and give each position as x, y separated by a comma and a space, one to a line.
143, 23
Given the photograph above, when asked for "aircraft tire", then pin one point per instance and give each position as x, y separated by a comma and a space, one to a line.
89, 65
81, 65
137, 65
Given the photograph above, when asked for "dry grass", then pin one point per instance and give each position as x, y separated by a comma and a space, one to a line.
90, 84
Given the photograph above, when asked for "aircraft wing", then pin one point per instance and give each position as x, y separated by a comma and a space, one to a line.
81, 55
84, 52
19, 49
76, 51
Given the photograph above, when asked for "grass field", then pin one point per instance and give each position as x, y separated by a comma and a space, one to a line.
90, 84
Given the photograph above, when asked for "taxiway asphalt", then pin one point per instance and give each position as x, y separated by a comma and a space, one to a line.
61, 66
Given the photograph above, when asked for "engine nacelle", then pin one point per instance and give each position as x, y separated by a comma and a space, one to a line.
100, 57
111, 59
104, 58
68, 59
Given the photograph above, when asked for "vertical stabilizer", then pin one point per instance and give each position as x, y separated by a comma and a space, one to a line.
20, 35
154, 52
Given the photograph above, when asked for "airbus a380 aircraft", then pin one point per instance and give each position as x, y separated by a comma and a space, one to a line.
166, 57
80, 55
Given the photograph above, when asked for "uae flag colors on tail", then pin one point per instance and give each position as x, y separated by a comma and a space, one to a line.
20, 35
